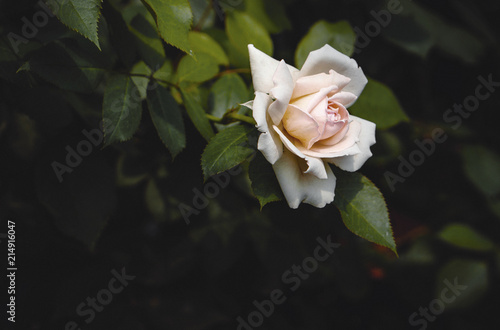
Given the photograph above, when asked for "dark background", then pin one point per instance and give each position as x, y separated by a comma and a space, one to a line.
206, 274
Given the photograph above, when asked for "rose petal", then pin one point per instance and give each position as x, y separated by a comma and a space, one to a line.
315, 165
352, 150
337, 137
327, 58
282, 92
299, 187
347, 146
332, 128
309, 102
263, 67
312, 84
259, 110
366, 139
271, 146
301, 126
269, 142
331, 119
344, 98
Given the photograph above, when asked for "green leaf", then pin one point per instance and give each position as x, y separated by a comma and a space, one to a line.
199, 69
482, 167
164, 73
271, 14
418, 30
167, 119
338, 35
464, 280
420, 253
228, 91
121, 109
226, 150
141, 82
242, 30
197, 114
173, 19
67, 68
465, 237
378, 104
265, 186
203, 44
81, 16
203, 13
363, 208
119, 33
148, 41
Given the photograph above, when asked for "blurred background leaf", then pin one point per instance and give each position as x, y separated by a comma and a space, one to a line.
339, 35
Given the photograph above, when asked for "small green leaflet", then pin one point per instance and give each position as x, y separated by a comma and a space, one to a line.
378, 104
226, 150
198, 69
79, 15
465, 237
242, 30
363, 208
121, 109
265, 186
482, 168
271, 14
197, 113
67, 68
173, 18
228, 91
203, 44
167, 119
339, 35
139, 75
149, 44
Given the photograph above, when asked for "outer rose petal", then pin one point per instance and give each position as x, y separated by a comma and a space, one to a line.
301, 187
269, 142
315, 166
282, 92
327, 58
263, 67
366, 139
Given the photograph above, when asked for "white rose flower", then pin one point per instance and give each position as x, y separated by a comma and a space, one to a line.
304, 121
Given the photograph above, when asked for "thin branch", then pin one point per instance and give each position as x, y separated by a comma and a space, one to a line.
204, 16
